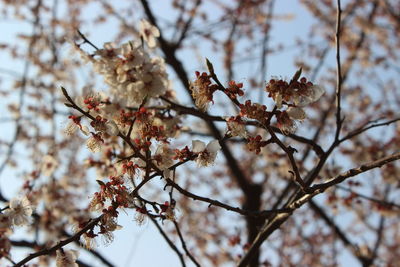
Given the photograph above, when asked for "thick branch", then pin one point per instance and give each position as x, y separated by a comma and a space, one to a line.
355, 171
279, 219
217, 203
48, 251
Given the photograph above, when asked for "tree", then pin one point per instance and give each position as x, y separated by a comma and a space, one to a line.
233, 167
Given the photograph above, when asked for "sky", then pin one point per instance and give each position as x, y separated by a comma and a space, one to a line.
142, 245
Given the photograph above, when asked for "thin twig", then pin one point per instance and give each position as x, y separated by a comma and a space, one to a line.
48, 251
86, 40
355, 171
280, 218
378, 201
168, 240
339, 80
338, 232
217, 203
187, 24
366, 128
184, 244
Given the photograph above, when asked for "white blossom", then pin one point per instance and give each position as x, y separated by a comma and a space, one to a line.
140, 218
286, 124
200, 95
112, 128
296, 113
206, 154
130, 72
164, 156
149, 33
71, 128
20, 210
94, 143
313, 93
49, 165
66, 258
236, 129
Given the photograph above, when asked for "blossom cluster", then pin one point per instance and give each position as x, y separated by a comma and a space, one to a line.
130, 72
295, 94
17, 213
133, 134
202, 90
142, 145
299, 93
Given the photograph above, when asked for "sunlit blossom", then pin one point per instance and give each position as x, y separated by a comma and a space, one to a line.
148, 32
131, 73
94, 143
296, 113
163, 156
202, 90
49, 165
206, 154
140, 218
66, 258
71, 128
236, 127
300, 93
312, 94
20, 210
286, 124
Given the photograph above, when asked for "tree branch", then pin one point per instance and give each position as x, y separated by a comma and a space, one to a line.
279, 219
217, 203
184, 244
170, 243
339, 78
48, 251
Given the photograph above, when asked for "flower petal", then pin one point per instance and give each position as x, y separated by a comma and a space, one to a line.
198, 146
213, 146
296, 113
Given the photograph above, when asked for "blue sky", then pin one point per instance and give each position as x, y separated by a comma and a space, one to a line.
142, 245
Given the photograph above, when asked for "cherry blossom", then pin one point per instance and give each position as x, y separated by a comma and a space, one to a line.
299, 93
49, 165
285, 123
163, 156
205, 154
130, 72
202, 90
308, 96
296, 113
94, 143
66, 258
149, 33
236, 126
20, 210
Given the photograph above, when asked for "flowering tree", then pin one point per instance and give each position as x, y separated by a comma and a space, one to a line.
261, 170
